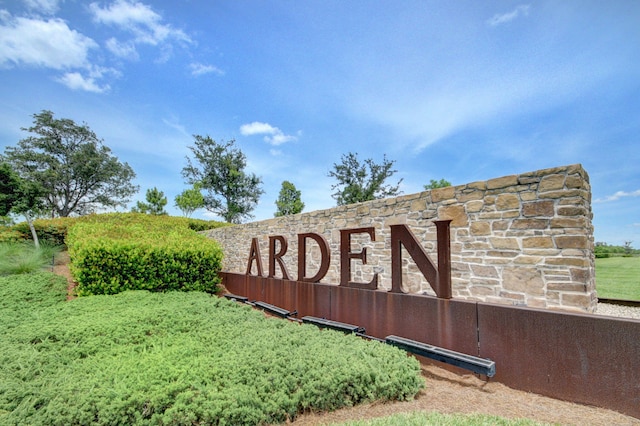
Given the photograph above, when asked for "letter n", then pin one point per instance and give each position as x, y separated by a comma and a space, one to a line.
439, 279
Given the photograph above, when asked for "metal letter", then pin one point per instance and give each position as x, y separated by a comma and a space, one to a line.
346, 255
277, 257
302, 257
254, 254
439, 279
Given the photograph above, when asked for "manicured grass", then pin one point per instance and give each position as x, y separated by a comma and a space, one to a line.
141, 358
618, 278
434, 418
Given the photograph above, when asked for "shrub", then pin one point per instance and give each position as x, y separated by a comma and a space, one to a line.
52, 231
10, 235
144, 358
119, 252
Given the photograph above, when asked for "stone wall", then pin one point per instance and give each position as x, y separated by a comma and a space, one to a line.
520, 240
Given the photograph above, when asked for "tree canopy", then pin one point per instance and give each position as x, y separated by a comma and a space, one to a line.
435, 184
20, 196
155, 203
76, 171
289, 201
359, 182
231, 193
190, 200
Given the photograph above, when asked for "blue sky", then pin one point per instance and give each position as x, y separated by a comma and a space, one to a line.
463, 90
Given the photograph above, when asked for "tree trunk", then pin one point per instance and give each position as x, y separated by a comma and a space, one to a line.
33, 230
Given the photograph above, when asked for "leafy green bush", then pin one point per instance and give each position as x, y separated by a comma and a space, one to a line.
10, 235
114, 253
52, 231
177, 358
55, 230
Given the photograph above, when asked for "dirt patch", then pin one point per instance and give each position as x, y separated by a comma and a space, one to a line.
61, 267
448, 392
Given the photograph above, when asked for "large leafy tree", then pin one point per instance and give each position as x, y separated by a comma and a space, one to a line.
20, 196
76, 171
365, 181
154, 205
220, 169
190, 200
289, 201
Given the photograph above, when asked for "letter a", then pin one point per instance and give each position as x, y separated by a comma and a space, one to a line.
254, 254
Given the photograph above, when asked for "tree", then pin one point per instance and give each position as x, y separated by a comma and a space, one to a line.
154, 205
362, 182
435, 184
20, 196
288, 201
76, 171
219, 167
190, 200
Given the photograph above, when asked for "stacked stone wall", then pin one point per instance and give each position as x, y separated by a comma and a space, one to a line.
520, 240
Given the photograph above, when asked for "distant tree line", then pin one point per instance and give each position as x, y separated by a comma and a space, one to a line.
603, 250
63, 168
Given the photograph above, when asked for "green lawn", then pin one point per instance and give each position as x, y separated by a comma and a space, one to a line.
618, 278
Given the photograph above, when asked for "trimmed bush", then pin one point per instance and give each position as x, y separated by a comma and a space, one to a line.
117, 252
10, 235
54, 231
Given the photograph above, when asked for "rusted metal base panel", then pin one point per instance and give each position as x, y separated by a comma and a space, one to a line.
446, 323
450, 324
581, 358
234, 283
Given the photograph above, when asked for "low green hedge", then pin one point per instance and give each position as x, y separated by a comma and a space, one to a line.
119, 252
54, 231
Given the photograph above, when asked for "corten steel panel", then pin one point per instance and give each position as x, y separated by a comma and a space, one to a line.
577, 357
314, 299
280, 293
234, 283
255, 288
449, 324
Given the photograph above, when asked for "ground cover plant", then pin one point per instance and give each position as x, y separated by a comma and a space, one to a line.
118, 252
618, 278
176, 358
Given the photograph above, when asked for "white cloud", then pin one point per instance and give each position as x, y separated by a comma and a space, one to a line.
174, 123
618, 195
47, 43
198, 69
126, 50
274, 136
76, 81
503, 18
89, 81
47, 7
139, 19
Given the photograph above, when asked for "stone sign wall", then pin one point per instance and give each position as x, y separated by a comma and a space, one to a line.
519, 240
